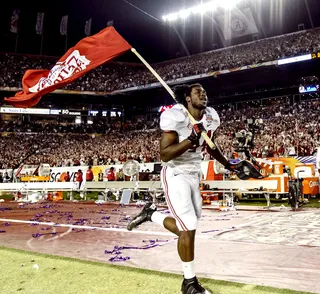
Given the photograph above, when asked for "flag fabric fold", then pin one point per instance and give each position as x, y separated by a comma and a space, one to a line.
237, 23
86, 55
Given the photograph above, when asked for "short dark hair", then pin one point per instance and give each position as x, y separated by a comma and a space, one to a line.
183, 91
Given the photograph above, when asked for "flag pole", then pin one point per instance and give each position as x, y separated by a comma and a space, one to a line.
165, 85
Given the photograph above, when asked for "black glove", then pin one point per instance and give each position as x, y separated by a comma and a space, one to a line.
196, 134
233, 166
244, 170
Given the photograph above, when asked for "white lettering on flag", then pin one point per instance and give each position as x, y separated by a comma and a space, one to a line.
73, 64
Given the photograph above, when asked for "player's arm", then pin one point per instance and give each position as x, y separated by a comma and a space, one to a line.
170, 148
216, 153
237, 168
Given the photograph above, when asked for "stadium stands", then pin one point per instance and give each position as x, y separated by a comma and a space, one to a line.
116, 76
285, 127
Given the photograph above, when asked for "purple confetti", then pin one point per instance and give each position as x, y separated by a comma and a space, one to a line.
157, 240
2, 231
145, 247
37, 235
232, 228
82, 221
6, 224
5, 208
105, 217
125, 220
210, 231
33, 225
118, 258
48, 206
51, 212
78, 231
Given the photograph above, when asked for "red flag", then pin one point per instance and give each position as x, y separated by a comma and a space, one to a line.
89, 53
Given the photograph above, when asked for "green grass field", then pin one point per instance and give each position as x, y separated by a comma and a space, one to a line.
67, 275
313, 202
6, 197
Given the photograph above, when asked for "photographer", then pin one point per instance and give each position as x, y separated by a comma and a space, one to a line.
245, 138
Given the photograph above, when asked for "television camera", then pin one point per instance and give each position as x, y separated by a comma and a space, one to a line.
244, 139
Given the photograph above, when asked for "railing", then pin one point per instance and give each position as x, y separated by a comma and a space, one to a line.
140, 185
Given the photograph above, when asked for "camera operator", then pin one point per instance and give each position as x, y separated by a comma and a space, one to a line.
245, 138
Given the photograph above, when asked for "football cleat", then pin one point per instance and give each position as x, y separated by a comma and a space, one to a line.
142, 217
192, 286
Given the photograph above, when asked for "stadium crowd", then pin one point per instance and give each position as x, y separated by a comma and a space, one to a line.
117, 76
63, 127
287, 130
79, 149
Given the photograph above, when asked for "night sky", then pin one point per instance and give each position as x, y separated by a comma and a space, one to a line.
153, 39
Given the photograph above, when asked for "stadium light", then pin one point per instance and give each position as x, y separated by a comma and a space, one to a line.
201, 9
227, 4
184, 13
170, 17
78, 120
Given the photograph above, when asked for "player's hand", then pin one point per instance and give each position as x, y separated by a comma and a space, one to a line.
196, 134
233, 166
244, 170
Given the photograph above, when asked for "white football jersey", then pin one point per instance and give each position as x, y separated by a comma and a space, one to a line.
176, 119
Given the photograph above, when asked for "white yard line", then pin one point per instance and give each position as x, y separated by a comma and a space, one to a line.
52, 224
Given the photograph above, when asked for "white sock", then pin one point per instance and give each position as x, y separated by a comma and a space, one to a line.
158, 218
188, 269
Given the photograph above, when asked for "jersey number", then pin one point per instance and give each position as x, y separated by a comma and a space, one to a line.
203, 146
